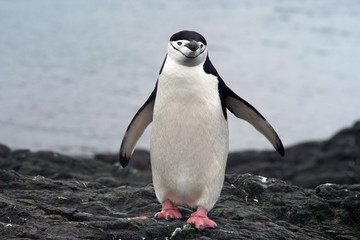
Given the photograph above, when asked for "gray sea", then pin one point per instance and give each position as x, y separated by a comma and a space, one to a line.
73, 73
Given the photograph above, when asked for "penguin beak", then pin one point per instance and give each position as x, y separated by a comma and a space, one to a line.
193, 46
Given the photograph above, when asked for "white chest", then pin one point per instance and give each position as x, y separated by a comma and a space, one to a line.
186, 90
188, 120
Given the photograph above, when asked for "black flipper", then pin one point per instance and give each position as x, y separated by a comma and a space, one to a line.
242, 109
136, 128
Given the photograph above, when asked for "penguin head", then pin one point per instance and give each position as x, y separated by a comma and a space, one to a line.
187, 48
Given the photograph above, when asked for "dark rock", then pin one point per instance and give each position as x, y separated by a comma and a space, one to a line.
352, 204
57, 166
4, 151
80, 206
46, 195
346, 237
310, 164
139, 160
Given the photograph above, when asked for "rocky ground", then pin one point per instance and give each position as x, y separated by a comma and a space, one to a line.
46, 195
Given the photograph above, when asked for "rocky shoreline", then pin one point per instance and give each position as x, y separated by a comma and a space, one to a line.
46, 195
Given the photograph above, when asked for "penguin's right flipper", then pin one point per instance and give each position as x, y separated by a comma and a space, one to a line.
136, 128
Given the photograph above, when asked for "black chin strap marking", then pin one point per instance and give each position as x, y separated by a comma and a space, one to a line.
184, 54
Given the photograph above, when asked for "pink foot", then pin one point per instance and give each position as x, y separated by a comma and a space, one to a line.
200, 220
168, 211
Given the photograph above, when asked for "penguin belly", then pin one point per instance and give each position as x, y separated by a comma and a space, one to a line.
189, 141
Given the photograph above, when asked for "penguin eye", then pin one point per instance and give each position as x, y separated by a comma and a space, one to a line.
179, 43
201, 45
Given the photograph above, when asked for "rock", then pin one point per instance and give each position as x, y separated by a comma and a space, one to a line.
336, 160
56, 166
139, 160
4, 151
46, 195
95, 200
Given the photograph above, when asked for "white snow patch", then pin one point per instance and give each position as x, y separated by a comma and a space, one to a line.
263, 179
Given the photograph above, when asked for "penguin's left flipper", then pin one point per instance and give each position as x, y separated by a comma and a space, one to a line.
136, 128
242, 109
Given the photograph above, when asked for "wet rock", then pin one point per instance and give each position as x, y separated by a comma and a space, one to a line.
139, 160
4, 151
57, 166
46, 195
84, 205
309, 164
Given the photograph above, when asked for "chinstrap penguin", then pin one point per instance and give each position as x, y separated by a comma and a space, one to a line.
189, 137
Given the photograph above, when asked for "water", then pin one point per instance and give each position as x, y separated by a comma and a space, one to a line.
73, 73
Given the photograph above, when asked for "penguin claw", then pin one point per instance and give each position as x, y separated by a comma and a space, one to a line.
201, 228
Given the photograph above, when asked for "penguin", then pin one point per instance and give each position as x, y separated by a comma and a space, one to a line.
190, 137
